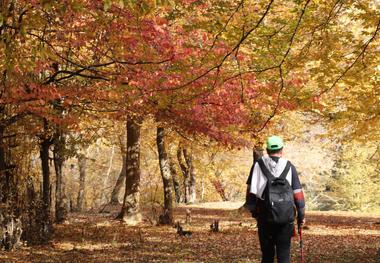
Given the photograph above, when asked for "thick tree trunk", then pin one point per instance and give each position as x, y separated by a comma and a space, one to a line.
82, 162
185, 173
130, 212
192, 180
119, 183
167, 217
60, 193
176, 185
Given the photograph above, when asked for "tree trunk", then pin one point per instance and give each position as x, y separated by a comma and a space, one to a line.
45, 224
192, 181
167, 217
177, 188
220, 189
82, 162
44, 155
185, 172
60, 195
8, 192
10, 220
119, 183
257, 153
3, 169
202, 190
130, 212
103, 197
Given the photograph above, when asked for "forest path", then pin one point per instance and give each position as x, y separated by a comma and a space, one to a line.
94, 237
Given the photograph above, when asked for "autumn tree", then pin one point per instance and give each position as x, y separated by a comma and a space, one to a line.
217, 69
167, 217
130, 211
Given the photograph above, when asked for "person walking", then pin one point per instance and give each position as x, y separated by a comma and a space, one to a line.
275, 193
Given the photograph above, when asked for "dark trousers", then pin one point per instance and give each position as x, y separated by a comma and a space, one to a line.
275, 239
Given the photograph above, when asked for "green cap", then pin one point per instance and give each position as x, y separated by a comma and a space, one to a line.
274, 143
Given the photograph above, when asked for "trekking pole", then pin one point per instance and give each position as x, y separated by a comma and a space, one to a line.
301, 242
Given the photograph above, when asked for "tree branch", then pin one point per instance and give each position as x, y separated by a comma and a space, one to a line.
361, 54
220, 64
294, 33
226, 24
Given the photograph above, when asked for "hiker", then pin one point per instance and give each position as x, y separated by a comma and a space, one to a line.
273, 204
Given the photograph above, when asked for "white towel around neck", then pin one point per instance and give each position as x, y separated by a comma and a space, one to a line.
259, 181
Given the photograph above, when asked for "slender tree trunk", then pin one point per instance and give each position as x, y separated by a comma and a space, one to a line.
192, 180
7, 190
174, 173
119, 183
121, 179
202, 190
130, 212
185, 172
44, 155
220, 189
10, 223
3, 168
60, 195
44, 221
257, 153
82, 162
167, 217
103, 197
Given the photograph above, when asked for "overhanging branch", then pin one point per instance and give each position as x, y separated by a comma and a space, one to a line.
349, 67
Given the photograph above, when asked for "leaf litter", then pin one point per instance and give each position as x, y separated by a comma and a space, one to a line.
95, 237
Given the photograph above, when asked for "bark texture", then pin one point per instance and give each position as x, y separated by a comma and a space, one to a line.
44, 155
10, 231
119, 183
167, 216
257, 153
185, 160
185, 173
45, 223
82, 164
3, 169
192, 177
61, 203
103, 197
176, 184
130, 212
8, 188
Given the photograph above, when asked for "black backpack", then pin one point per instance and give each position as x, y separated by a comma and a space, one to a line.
278, 196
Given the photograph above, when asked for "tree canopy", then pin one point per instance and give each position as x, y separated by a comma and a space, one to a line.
207, 76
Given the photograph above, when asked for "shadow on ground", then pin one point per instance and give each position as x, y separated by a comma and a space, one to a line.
95, 237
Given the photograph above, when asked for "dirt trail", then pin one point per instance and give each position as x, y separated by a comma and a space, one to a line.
98, 238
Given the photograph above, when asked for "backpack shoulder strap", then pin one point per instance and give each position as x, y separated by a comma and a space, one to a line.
265, 170
286, 171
